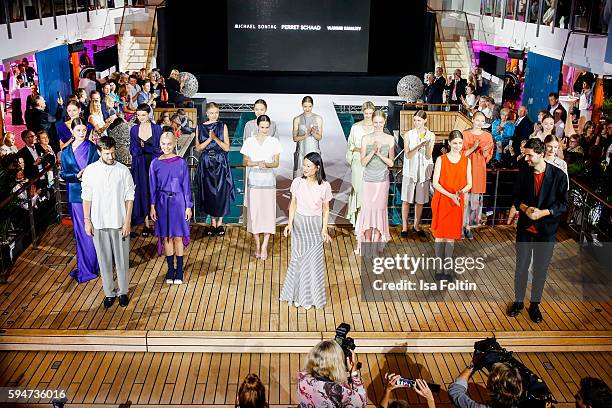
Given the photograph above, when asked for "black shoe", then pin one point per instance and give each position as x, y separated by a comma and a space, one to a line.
220, 231
123, 300
108, 301
534, 313
419, 233
404, 234
467, 233
514, 309
211, 231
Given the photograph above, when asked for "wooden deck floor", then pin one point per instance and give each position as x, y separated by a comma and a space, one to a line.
203, 379
226, 289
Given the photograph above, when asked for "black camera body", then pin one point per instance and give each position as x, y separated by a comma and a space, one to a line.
347, 343
536, 393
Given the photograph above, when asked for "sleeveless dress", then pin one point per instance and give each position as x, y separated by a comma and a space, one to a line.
447, 218
354, 160
141, 163
213, 176
308, 145
375, 195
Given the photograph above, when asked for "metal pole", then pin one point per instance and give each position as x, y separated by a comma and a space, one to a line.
554, 17
87, 4
54, 15
7, 14
25, 18
66, 7
39, 11
76, 6
514, 14
31, 217
528, 11
541, 6
503, 13
495, 196
572, 15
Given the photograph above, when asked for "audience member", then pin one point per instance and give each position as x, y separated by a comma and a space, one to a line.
439, 85
470, 101
174, 85
502, 131
41, 119
504, 386
559, 122
593, 393
456, 88
32, 154
8, 144
586, 100
325, 381
420, 387
553, 103
523, 126
252, 393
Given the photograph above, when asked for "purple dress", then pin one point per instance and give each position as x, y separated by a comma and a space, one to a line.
73, 161
141, 161
171, 195
65, 133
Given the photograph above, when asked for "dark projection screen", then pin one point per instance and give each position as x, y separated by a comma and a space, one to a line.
292, 35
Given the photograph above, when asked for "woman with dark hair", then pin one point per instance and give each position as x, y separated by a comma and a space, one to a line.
308, 216
64, 128
213, 176
252, 393
261, 157
377, 155
307, 132
144, 147
452, 178
251, 128
75, 157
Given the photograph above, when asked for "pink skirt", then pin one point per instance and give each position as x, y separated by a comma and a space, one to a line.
374, 214
261, 211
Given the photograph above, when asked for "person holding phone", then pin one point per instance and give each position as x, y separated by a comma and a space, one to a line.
393, 382
307, 133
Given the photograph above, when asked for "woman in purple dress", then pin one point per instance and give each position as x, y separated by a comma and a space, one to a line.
171, 205
75, 157
144, 147
64, 130
213, 175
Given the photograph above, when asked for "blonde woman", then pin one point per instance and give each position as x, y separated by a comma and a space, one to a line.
324, 381
353, 157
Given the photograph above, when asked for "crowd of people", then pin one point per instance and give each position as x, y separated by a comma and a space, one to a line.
330, 379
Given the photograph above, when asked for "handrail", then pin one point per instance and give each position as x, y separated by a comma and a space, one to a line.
27, 185
589, 191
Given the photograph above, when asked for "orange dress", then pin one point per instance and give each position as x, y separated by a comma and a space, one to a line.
479, 159
447, 217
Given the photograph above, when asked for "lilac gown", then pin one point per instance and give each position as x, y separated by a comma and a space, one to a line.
171, 194
73, 161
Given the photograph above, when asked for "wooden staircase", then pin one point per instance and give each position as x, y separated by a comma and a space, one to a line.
137, 39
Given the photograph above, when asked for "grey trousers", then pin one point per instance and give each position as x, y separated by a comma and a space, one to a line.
110, 245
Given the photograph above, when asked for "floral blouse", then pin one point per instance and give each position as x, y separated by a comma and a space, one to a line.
314, 393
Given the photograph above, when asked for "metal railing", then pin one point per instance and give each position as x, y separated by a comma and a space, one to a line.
588, 214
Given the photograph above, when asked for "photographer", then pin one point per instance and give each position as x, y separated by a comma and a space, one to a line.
504, 386
325, 382
391, 384
593, 393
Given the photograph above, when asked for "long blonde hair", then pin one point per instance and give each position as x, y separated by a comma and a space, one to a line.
326, 359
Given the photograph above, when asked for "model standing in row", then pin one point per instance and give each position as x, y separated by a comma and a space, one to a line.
171, 205
75, 157
261, 156
377, 154
452, 179
308, 216
144, 148
213, 176
417, 171
64, 128
307, 133
478, 147
353, 157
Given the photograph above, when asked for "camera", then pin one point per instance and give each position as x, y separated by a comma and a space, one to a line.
536, 393
346, 343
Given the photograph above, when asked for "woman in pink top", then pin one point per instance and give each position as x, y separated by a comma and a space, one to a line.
308, 215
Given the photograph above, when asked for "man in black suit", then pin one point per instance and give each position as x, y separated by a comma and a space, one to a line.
40, 119
553, 103
523, 128
32, 154
439, 84
540, 194
428, 92
456, 88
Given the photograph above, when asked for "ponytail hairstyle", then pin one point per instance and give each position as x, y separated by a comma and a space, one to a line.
316, 159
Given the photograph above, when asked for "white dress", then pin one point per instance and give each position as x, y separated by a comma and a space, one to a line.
358, 131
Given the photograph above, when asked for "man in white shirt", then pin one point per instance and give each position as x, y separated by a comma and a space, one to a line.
108, 197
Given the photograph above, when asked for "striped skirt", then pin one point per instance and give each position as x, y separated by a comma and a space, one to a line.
305, 280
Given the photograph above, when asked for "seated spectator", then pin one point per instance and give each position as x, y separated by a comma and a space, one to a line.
145, 96
493, 108
186, 123
176, 125
32, 155
502, 131
325, 381
504, 386
574, 152
421, 388
593, 393
605, 135
252, 393
470, 100
174, 85
129, 113
559, 122
8, 144
164, 119
483, 107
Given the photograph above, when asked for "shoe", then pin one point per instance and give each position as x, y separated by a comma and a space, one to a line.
468, 233
514, 309
168, 280
108, 301
211, 231
419, 233
123, 300
146, 232
220, 231
534, 313
307, 307
296, 304
178, 281
404, 234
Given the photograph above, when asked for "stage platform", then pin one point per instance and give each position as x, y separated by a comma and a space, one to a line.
212, 379
229, 303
